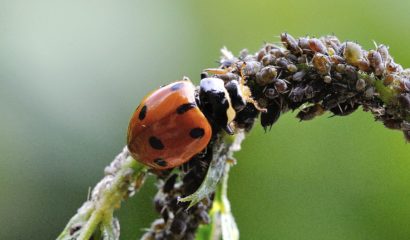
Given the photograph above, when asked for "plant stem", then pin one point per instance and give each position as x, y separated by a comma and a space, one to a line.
123, 177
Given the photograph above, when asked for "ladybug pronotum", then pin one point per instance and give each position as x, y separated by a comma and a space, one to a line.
168, 128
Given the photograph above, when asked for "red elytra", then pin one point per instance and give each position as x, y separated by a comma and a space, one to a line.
168, 128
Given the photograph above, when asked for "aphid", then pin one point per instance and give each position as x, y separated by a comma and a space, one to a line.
178, 226
169, 183
263, 102
246, 118
405, 125
250, 68
292, 68
344, 109
270, 46
204, 75
389, 79
227, 58
204, 217
224, 74
317, 46
280, 85
405, 84
243, 54
302, 59
309, 92
406, 135
327, 79
360, 85
308, 113
290, 43
330, 51
351, 73
391, 66
260, 54
384, 52
393, 124
297, 94
268, 59
376, 62
321, 63
352, 53
369, 92
277, 53
303, 43
271, 93
227, 76
337, 76
282, 63
363, 64
292, 57
404, 100
336, 59
340, 68
266, 75
168, 128
271, 116
332, 42
340, 87
298, 76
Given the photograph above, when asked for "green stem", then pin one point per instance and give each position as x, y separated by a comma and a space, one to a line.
124, 176
222, 221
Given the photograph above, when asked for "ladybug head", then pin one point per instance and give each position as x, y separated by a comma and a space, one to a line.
235, 93
216, 103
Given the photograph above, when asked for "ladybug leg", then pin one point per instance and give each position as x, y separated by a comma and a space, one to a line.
202, 154
228, 129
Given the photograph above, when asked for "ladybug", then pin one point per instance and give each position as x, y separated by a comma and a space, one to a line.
168, 128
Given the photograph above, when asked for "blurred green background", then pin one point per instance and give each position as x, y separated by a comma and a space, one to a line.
72, 72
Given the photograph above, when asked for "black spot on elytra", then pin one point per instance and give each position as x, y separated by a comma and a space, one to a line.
156, 143
177, 86
185, 107
160, 162
197, 133
143, 112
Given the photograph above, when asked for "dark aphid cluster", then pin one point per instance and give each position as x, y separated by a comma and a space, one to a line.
309, 75
176, 221
315, 75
